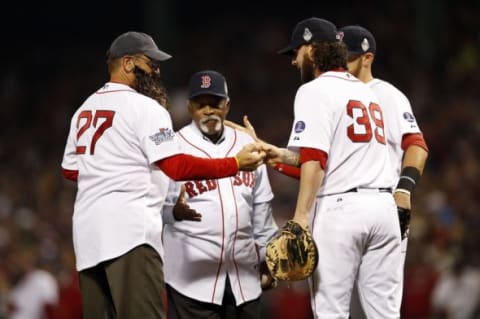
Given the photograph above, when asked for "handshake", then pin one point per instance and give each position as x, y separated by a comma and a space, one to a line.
253, 155
260, 152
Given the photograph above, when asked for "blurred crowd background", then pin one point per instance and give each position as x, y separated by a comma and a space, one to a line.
54, 57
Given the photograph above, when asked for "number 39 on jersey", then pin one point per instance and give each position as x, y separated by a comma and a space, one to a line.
364, 119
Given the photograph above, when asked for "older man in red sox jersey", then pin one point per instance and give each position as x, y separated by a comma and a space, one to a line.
407, 148
117, 138
212, 267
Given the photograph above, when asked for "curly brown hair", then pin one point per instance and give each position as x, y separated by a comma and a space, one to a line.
328, 56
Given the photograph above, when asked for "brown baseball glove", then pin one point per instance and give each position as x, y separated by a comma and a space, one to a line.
292, 254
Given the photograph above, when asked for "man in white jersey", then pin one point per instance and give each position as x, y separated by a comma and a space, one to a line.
117, 139
344, 196
212, 265
35, 295
407, 148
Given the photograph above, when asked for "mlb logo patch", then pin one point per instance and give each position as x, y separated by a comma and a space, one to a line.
409, 117
299, 126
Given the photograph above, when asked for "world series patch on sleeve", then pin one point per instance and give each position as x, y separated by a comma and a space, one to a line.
292, 254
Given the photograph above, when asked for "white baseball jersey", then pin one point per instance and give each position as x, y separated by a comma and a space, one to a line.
231, 238
340, 115
29, 297
357, 232
399, 120
114, 138
398, 115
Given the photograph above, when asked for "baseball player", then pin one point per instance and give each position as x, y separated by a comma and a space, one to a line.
212, 264
117, 138
407, 148
339, 137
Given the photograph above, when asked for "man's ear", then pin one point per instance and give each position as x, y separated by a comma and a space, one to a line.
189, 107
368, 58
128, 64
227, 107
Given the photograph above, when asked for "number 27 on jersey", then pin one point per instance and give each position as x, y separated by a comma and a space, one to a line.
86, 119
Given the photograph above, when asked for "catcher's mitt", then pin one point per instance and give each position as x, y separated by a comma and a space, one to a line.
404, 218
292, 254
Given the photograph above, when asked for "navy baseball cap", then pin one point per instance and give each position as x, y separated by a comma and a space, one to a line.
133, 42
207, 82
358, 40
311, 30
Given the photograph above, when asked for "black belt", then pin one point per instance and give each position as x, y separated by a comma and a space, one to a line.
381, 190
358, 189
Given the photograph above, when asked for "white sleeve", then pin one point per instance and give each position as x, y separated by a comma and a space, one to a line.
170, 201
157, 137
406, 119
313, 120
264, 226
262, 191
49, 286
69, 161
396, 110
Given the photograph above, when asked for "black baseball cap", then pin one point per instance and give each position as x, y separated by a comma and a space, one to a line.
207, 82
133, 42
358, 40
311, 30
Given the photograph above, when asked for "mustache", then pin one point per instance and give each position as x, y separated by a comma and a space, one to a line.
209, 118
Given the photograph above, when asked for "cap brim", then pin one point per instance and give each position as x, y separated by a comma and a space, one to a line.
206, 92
289, 50
358, 52
158, 55
354, 52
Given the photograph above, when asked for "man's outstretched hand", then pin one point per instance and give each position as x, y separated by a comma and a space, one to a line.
181, 210
247, 128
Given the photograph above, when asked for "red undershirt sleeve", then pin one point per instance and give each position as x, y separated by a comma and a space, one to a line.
414, 139
313, 154
70, 174
288, 170
306, 154
182, 167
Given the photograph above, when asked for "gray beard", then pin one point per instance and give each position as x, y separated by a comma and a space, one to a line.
203, 127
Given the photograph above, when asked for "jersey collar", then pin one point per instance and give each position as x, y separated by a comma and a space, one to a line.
112, 86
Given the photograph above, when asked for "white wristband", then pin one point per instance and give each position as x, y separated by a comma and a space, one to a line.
401, 190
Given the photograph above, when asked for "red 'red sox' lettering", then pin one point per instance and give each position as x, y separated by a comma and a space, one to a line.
195, 188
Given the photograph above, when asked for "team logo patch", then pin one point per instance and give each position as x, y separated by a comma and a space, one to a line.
206, 81
409, 117
365, 45
299, 126
307, 34
164, 135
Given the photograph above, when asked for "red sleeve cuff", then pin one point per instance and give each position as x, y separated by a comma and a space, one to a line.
70, 174
414, 139
312, 154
